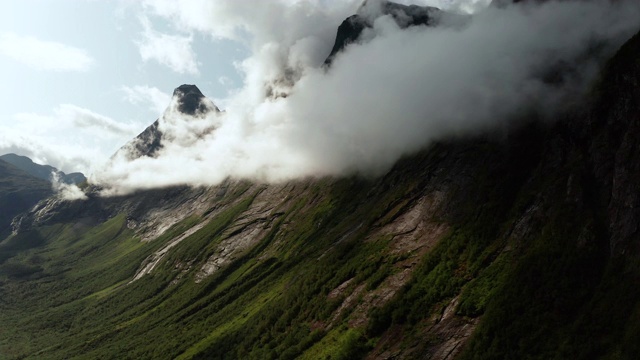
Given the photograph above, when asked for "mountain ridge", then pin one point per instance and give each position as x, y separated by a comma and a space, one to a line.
43, 172
19, 191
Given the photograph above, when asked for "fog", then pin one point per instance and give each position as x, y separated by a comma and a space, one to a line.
392, 94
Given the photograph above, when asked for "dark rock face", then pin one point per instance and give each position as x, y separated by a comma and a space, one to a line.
404, 15
190, 100
148, 143
612, 138
42, 171
348, 32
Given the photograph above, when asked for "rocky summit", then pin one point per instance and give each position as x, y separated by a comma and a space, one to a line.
190, 100
404, 15
187, 102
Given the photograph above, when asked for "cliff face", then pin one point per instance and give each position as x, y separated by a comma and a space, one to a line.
404, 15
522, 245
612, 136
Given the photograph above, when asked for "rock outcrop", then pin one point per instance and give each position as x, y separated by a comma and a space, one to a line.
404, 15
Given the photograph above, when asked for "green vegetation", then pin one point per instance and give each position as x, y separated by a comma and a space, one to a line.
67, 293
74, 282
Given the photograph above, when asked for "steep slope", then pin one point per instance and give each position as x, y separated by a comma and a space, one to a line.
41, 171
19, 191
523, 245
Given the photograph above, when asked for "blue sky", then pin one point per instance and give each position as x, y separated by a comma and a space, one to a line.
86, 55
82, 77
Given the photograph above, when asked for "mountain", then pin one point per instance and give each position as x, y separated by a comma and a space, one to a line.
404, 15
41, 171
19, 191
523, 245
187, 102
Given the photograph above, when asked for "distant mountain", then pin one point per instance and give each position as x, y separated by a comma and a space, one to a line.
41, 171
187, 100
19, 191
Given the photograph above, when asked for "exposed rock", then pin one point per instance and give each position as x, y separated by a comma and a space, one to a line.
404, 15
248, 229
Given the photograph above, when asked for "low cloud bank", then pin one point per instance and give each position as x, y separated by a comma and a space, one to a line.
391, 95
69, 137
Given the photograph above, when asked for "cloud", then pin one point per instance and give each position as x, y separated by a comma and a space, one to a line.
153, 97
44, 55
173, 51
71, 138
86, 119
225, 80
65, 191
264, 21
284, 21
387, 97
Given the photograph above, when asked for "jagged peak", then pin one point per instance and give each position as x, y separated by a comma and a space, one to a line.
404, 15
187, 89
187, 100
191, 100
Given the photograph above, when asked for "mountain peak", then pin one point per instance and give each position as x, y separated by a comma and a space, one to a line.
190, 99
187, 89
187, 100
404, 15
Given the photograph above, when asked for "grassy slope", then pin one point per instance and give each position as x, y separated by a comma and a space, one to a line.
79, 304
74, 302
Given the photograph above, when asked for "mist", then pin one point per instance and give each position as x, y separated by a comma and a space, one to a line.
391, 95
66, 191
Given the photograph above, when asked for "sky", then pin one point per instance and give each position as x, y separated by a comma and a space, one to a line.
83, 77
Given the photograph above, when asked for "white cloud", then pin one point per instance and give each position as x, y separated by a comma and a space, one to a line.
381, 99
44, 55
86, 119
173, 51
225, 80
265, 20
64, 191
284, 21
154, 98
71, 138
